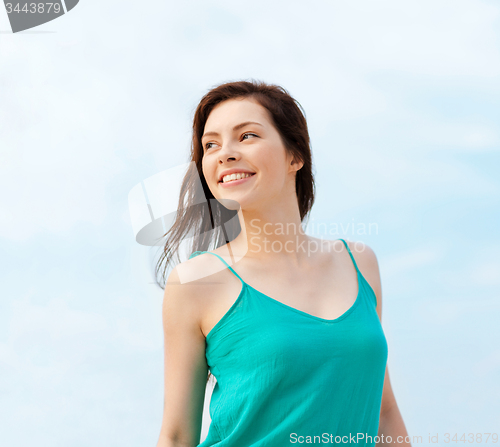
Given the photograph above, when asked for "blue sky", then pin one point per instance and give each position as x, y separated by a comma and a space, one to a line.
402, 102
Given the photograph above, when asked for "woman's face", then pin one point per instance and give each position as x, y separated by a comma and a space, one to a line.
239, 136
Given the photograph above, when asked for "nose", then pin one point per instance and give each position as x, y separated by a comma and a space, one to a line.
227, 153
226, 159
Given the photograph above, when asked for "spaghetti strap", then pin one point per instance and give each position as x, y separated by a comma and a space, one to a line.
196, 253
350, 254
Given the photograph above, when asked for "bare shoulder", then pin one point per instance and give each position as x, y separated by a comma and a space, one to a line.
195, 285
187, 285
368, 265
180, 302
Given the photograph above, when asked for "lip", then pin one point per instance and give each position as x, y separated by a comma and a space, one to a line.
236, 182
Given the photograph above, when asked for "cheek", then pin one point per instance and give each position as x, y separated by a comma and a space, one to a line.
207, 169
272, 167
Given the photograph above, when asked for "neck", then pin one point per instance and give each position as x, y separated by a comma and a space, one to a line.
270, 236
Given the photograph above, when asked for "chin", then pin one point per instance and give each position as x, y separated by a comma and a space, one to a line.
230, 204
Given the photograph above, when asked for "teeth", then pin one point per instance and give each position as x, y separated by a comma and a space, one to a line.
237, 176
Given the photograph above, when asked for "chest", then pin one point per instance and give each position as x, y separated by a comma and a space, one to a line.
322, 294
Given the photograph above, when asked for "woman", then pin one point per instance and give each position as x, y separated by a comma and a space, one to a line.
292, 330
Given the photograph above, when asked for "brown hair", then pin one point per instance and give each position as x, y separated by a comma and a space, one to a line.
204, 217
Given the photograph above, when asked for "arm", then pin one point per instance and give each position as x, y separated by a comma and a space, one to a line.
185, 365
391, 422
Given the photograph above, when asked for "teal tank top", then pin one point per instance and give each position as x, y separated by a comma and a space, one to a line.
286, 377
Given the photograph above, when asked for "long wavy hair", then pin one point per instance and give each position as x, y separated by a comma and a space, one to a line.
205, 218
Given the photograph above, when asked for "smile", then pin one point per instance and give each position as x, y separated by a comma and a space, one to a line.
235, 179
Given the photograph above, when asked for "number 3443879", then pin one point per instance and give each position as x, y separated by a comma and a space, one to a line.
477, 438
33, 8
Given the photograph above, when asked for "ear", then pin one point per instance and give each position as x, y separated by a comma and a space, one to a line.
297, 164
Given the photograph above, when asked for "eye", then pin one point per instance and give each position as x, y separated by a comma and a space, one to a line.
207, 145
250, 133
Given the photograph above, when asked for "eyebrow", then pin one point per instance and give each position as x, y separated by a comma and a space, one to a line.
238, 126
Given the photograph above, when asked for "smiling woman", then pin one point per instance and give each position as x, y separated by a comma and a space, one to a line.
279, 124
300, 357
